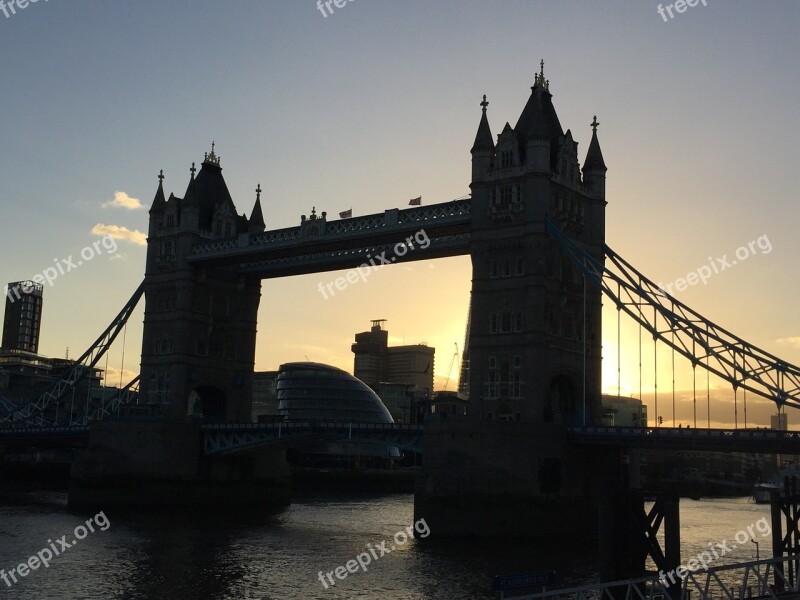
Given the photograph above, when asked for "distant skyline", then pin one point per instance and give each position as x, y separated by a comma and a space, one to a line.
377, 103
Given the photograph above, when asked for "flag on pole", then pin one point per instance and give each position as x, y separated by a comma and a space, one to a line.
346, 214
415, 201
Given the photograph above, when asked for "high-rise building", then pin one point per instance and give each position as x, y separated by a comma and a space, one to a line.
371, 349
23, 316
779, 422
376, 362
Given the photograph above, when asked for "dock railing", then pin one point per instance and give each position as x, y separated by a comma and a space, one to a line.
776, 577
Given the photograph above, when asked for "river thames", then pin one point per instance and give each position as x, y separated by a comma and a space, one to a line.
279, 556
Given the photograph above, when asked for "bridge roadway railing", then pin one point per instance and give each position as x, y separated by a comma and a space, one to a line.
671, 438
448, 222
26, 432
230, 437
776, 577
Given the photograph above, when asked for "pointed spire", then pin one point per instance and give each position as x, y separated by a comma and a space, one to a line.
256, 223
532, 121
189, 195
484, 141
211, 158
594, 156
539, 80
159, 202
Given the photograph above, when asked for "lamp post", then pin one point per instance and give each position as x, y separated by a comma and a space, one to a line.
758, 555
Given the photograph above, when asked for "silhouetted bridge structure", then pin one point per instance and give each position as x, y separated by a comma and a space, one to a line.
225, 438
534, 228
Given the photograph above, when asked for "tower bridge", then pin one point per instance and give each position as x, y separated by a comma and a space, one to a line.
534, 228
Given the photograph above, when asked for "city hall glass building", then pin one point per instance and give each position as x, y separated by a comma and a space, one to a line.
317, 392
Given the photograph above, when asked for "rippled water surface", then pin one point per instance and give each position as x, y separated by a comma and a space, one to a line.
234, 556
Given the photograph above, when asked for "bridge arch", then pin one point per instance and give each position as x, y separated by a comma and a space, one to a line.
207, 402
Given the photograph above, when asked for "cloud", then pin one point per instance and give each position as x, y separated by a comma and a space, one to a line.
791, 341
122, 200
121, 233
113, 376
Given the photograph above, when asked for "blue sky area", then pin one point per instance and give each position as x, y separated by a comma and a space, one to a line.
378, 103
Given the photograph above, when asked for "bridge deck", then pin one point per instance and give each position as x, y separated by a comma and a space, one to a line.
767, 441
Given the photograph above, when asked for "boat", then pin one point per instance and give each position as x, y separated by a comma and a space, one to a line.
762, 492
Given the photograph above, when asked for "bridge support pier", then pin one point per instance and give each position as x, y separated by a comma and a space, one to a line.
161, 465
785, 511
628, 536
628, 532
506, 479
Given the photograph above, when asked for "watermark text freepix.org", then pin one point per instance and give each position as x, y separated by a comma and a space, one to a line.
375, 552
9, 7
366, 269
62, 267
54, 549
715, 552
717, 265
324, 6
680, 7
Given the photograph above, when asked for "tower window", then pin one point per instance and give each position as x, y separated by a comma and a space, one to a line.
506, 159
505, 195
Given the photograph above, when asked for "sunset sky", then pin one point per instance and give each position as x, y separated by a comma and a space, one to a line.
378, 103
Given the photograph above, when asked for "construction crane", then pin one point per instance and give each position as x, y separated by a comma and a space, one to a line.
450, 370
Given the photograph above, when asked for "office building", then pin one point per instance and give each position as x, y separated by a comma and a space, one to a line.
619, 411
376, 362
779, 422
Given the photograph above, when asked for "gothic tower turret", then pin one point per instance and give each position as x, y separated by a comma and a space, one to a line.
594, 167
198, 342
483, 148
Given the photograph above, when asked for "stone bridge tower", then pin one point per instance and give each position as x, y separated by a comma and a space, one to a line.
198, 346
532, 354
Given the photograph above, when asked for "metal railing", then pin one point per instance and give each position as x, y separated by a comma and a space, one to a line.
769, 578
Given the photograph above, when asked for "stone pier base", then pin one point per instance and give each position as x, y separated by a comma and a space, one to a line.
510, 480
161, 465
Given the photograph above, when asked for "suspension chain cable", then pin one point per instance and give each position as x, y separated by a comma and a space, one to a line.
641, 398
708, 393
673, 378
694, 383
122, 367
655, 369
619, 348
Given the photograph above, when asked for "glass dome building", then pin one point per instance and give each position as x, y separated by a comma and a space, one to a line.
317, 392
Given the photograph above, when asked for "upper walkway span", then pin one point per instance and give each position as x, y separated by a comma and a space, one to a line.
318, 245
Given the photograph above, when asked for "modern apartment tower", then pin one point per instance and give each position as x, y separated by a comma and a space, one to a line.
23, 316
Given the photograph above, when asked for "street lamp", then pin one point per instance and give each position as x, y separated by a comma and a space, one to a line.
758, 556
